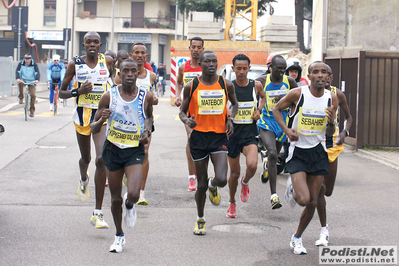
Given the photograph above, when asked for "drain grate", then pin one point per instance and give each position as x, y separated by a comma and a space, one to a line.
245, 228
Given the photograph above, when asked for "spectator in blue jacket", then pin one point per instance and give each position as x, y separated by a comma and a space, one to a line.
28, 72
55, 75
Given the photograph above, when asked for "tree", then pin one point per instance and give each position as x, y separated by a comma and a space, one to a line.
303, 11
217, 6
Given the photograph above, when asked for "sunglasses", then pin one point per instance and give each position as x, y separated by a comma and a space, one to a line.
57, 60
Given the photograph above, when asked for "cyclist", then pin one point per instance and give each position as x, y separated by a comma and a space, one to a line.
28, 72
55, 75
161, 72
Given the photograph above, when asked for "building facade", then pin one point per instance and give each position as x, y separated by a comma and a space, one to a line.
151, 22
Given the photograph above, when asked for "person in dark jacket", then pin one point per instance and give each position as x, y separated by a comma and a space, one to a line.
27, 71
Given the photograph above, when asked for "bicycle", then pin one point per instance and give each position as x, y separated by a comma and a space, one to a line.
27, 98
2, 129
159, 88
55, 97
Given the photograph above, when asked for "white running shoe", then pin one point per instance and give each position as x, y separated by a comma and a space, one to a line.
323, 239
98, 221
288, 196
117, 246
130, 215
296, 245
51, 107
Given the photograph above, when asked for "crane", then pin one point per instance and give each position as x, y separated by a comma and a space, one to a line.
232, 13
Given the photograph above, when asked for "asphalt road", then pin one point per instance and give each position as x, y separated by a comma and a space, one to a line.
43, 223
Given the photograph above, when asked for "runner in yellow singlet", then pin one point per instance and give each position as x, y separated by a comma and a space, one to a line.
91, 73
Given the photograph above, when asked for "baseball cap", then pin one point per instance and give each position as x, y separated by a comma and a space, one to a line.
28, 56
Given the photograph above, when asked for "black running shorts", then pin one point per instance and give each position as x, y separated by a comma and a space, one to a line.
313, 161
115, 158
235, 145
204, 143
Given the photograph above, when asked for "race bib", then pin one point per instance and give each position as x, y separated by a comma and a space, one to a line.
144, 87
311, 121
211, 102
272, 97
189, 76
124, 136
91, 100
245, 113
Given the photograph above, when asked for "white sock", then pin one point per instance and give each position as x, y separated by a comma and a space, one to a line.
191, 177
243, 183
324, 230
210, 183
203, 217
97, 211
141, 193
273, 195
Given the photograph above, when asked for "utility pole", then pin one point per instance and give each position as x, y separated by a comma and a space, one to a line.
19, 33
111, 47
66, 32
176, 12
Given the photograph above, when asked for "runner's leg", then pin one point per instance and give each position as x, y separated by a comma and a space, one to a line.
115, 187
234, 176
85, 157
101, 171
201, 168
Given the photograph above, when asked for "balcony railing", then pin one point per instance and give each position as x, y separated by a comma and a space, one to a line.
159, 22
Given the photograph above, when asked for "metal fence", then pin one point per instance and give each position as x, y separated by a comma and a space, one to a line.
371, 82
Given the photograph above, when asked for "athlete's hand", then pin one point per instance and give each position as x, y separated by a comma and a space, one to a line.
191, 122
144, 137
256, 115
330, 114
106, 114
292, 134
178, 101
85, 88
156, 100
342, 137
229, 128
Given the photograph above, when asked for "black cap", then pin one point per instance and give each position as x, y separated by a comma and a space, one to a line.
28, 56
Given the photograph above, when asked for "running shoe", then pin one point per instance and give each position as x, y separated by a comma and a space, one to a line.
288, 196
244, 191
192, 184
323, 239
296, 245
117, 246
214, 195
142, 200
264, 176
130, 215
83, 190
275, 201
200, 227
231, 212
98, 221
51, 107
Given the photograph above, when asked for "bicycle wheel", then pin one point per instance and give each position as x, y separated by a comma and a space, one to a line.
26, 106
55, 102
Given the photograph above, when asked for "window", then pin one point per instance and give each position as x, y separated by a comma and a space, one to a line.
137, 20
49, 12
90, 6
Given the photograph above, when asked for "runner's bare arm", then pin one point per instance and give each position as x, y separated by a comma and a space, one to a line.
288, 100
184, 108
331, 115
149, 100
179, 84
262, 80
102, 114
153, 77
69, 73
347, 116
261, 93
233, 107
292, 83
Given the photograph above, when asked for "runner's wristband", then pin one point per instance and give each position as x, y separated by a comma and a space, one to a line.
147, 130
75, 93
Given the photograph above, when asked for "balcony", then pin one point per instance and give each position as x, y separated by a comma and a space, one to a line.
160, 24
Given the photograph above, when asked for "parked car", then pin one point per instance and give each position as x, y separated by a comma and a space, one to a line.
255, 71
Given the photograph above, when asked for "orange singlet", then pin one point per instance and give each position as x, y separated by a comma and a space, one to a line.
208, 105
